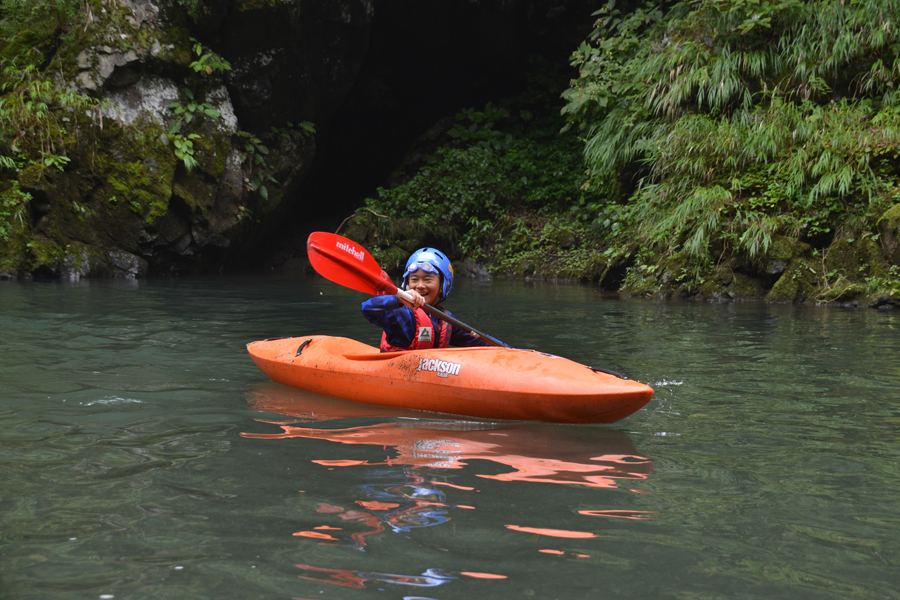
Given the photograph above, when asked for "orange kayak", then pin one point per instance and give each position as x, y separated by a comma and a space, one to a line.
484, 382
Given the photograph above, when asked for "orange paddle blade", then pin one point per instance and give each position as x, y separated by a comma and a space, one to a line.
347, 263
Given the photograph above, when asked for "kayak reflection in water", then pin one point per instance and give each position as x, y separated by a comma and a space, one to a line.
408, 488
427, 279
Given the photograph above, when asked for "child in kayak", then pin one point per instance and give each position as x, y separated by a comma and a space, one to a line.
428, 278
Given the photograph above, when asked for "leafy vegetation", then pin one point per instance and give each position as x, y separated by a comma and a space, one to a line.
720, 138
717, 126
254, 155
33, 108
37, 115
255, 151
489, 188
207, 63
40, 22
13, 203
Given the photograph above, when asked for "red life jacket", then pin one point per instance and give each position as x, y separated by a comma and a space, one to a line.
425, 334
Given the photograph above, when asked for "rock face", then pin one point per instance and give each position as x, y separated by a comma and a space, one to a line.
292, 61
129, 203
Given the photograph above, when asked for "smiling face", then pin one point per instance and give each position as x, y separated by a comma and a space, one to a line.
427, 284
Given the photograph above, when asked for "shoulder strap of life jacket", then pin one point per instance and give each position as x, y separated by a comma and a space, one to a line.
425, 335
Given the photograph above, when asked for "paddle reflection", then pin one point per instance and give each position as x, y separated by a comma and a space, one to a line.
396, 498
408, 489
357, 579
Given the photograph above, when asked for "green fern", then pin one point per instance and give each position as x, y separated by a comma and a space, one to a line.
739, 120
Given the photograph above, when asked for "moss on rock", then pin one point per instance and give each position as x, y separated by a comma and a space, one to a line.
211, 152
782, 251
138, 184
196, 192
136, 171
45, 252
853, 259
585, 266
797, 283
727, 283
889, 229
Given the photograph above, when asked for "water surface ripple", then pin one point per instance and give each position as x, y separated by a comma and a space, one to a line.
142, 454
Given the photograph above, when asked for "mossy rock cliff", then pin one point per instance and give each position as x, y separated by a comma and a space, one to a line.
127, 91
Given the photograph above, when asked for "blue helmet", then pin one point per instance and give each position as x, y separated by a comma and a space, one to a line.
431, 260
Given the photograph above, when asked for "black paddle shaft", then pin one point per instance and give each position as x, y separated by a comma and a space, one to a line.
431, 310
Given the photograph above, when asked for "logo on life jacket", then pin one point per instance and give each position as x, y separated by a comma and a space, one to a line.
425, 334
357, 254
441, 367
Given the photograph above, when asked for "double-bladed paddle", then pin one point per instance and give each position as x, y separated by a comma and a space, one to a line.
347, 263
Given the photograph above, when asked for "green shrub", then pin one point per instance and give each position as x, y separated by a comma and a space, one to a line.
492, 167
716, 125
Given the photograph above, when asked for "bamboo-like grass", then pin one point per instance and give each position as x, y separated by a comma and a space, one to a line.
741, 120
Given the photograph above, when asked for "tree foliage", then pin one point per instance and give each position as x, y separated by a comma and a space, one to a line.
493, 166
42, 19
718, 123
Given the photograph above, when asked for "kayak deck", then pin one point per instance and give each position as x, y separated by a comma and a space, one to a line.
485, 382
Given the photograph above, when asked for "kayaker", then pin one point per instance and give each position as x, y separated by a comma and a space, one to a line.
428, 278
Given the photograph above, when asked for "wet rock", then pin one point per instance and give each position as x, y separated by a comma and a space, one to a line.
171, 228
182, 245
121, 264
115, 196
470, 269
885, 302
782, 251
294, 61
148, 98
853, 259
141, 11
796, 284
85, 59
776, 267
77, 265
107, 63
889, 228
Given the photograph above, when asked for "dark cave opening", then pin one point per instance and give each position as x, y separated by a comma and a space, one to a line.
425, 62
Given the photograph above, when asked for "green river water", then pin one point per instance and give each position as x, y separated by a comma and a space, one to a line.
143, 455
